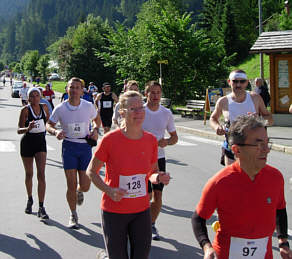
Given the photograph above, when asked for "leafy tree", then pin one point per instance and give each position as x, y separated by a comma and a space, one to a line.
42, 67
75, 52
228, 31
29, 62
194, 61
1, 66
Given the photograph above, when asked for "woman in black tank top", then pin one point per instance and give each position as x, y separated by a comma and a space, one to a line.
32, 121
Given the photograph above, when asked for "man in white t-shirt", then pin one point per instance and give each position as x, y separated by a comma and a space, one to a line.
23, 94
158, 119
75, 116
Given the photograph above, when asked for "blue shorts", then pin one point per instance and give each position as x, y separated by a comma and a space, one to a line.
75, 155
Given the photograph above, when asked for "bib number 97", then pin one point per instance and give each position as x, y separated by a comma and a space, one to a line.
248, 251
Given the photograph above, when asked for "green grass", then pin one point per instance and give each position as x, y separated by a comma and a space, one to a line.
58, 86
252, 66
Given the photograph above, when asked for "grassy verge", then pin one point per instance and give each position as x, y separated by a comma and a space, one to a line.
58, 86
252, 66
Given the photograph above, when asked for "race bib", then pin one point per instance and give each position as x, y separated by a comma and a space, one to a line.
135, 185
107, 104
77, 130
39, 126
248, 248
48, 97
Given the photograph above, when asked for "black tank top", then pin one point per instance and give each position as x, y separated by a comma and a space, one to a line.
106, 103
31, 117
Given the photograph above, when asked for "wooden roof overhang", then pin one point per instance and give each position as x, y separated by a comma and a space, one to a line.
273, 42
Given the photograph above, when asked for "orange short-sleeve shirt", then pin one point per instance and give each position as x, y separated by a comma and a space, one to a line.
246, 208
128, 162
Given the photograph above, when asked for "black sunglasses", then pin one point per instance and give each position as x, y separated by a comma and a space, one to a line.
239, 81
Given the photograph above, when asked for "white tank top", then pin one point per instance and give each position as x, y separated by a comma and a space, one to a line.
236, 109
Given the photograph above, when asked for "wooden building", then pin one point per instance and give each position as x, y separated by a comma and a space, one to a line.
278, 45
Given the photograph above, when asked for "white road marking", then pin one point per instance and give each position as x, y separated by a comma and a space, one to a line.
184, 143
7, 146
204, 140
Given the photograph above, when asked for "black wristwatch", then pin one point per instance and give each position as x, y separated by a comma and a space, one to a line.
284, 244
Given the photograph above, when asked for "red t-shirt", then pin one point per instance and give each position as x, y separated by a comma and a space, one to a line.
48, 95
246, 208
128, 166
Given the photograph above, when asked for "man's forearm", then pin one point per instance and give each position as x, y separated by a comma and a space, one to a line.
200, 230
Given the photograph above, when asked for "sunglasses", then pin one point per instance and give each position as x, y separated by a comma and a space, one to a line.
235, 81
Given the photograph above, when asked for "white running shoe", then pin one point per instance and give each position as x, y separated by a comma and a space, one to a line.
73, 221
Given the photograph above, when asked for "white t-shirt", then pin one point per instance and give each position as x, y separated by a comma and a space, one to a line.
74, 120
157, 122
23, 93
116, 115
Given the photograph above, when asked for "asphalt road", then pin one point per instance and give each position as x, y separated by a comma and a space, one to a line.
191, 162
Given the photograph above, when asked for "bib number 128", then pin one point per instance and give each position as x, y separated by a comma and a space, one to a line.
134, 185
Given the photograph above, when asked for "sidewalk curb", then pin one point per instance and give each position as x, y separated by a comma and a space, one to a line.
211, 135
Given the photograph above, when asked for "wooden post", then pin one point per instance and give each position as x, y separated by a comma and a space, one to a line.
207, 106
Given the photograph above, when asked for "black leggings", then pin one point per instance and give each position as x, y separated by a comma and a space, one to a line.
118, 227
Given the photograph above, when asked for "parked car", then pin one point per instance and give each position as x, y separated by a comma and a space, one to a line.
54, 76
17, 85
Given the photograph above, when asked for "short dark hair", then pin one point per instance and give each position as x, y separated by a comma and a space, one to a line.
237, 133
106, 84
149, 84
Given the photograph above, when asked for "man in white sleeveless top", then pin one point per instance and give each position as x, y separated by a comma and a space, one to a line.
238, 102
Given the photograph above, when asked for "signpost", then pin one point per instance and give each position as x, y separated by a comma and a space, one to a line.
160, 62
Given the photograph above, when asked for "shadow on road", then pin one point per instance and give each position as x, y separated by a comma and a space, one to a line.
176, 162
90, 238
2, 105
176, 212
182, 250
20, 249
58, 164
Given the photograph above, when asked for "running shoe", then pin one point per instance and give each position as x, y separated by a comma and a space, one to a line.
42, 213
80, 197
101, 255
73, 222
28, 209
155, 234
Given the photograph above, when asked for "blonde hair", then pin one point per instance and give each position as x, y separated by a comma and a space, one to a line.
123, 100
131, 82
76, 79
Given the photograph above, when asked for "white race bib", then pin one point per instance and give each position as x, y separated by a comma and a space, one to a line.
77, 130
248, 248
107, 104
39, 126
135, 185
48, 97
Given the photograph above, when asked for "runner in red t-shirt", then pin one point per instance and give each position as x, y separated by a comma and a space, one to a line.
248, 197
130, 157
49, 95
